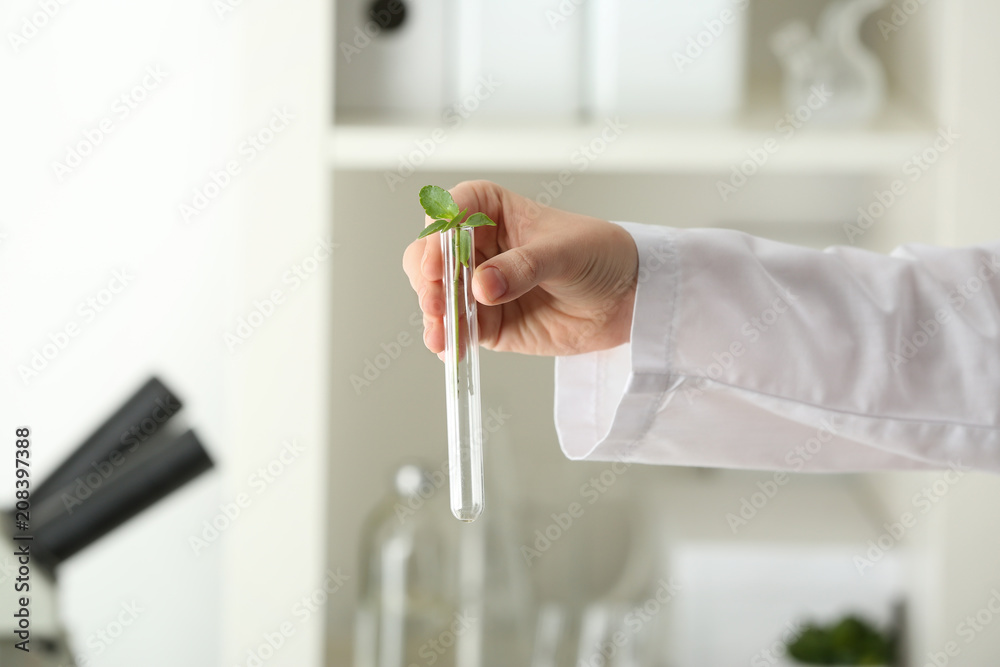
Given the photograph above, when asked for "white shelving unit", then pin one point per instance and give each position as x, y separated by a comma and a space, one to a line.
360, 144
822, 175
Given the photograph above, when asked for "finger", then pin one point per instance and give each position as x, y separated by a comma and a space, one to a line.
434, 334
412, 257
502, 206
476, 196
431, 298
431, 264
484, 197
489, 319
511, 274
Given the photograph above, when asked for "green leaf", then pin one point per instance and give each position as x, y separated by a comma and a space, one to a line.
464, 247
435, 226
437, 202
478, 220
457, 220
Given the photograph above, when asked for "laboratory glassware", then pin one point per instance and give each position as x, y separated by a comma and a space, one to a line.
461, 359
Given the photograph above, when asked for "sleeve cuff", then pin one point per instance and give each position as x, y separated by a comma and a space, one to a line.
605, 401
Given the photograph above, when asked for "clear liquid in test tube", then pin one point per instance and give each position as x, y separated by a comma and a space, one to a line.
461, 361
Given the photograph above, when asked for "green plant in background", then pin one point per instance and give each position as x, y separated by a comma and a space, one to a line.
440, 206
851, 641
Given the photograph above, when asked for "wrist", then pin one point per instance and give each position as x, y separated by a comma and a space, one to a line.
627, 285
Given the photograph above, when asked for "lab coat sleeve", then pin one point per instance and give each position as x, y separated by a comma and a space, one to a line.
748, 353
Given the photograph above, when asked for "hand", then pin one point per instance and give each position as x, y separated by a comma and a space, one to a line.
548, 282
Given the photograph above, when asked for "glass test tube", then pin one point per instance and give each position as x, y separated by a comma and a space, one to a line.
461, 362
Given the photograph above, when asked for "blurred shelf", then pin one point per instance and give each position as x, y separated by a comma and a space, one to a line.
377, 144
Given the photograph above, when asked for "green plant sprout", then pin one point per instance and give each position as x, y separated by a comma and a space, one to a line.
439, 204
851, 641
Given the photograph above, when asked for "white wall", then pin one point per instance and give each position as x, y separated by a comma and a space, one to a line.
969, 538
62, 241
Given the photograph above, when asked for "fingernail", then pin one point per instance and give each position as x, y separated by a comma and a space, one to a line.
493, 283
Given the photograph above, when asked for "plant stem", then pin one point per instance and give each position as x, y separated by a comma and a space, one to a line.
458, 325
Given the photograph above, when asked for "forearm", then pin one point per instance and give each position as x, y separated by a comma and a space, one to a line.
744, 350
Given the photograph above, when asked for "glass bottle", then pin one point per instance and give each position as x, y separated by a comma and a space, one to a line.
407, 594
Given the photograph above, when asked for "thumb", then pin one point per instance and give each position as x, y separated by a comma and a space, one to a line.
510, 274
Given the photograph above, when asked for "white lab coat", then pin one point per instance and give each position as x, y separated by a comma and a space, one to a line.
748, 353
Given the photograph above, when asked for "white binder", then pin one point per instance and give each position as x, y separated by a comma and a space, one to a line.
397, 72
534, 52
666, 58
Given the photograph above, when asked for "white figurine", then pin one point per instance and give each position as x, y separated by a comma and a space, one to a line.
835, 58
